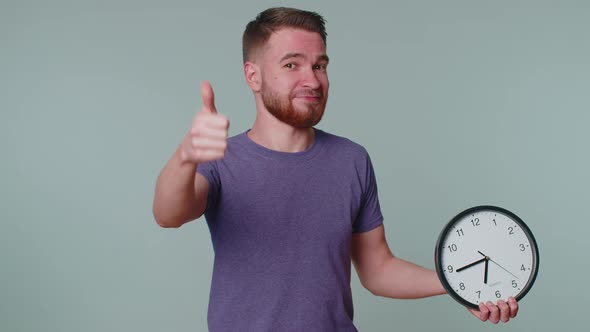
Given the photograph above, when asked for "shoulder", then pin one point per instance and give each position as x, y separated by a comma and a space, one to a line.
349, 158
342, 144
237, 139
238, 144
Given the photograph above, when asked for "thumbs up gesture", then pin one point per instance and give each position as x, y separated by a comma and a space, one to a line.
207, 138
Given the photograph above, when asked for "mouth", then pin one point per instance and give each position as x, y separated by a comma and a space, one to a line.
309, 98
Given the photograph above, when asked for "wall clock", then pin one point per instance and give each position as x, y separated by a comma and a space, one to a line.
486, 253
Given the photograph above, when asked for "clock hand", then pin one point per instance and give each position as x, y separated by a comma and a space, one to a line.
481, 253
470, 265
503, 268
485, 275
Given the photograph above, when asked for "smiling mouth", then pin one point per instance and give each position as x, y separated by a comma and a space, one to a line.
309, 98
308, 94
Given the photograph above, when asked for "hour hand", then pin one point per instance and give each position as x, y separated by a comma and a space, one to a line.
471, 264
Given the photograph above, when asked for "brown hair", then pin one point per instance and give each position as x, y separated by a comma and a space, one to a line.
259, 30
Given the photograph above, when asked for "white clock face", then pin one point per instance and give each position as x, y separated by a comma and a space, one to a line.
486, 255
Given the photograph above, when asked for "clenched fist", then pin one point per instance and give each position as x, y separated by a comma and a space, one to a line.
207, 138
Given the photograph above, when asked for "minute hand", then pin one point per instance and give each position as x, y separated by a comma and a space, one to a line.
493, 261
470, 265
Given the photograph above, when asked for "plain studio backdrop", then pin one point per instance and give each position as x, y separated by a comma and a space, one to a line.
459, 103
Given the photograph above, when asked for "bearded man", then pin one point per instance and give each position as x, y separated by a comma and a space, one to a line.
288, 206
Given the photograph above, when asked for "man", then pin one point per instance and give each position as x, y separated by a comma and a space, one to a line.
288, 206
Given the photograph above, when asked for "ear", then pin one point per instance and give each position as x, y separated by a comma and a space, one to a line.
253, 75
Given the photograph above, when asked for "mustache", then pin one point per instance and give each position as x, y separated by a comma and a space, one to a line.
308, 93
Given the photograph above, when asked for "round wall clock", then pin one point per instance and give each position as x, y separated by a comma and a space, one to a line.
486, 253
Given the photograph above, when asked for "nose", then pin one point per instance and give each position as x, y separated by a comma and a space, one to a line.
310, 79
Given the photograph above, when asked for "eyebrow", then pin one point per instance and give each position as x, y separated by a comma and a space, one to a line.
322, 57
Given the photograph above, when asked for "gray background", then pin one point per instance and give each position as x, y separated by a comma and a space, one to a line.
459, 103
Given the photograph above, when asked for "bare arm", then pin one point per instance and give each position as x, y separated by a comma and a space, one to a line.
383, 274
181, 193
386, 275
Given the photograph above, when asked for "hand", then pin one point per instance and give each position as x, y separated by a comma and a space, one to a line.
207, 138
495, 313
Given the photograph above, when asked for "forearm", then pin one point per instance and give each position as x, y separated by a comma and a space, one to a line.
398, 278
175, 199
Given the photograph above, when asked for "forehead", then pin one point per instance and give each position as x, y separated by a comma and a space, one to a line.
288, 40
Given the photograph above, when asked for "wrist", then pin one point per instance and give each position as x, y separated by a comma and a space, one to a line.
183, 158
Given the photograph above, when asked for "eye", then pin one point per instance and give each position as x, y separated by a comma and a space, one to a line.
290, 65
320, 67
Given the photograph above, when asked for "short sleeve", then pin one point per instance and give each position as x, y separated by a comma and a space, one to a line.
210, 171
369, 216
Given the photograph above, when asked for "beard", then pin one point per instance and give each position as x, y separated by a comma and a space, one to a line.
284, 110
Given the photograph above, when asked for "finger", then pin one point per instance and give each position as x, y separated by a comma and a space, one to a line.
208, 143
484, 312
504, 311
217, 121
206, 155
494, 313
213, 133
513, 307
208, 97
209, 120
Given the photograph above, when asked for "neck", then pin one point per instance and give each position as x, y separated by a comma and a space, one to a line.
273, 134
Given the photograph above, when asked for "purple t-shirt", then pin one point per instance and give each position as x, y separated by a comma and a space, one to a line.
281, 226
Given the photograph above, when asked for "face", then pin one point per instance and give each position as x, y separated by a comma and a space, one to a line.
294, 81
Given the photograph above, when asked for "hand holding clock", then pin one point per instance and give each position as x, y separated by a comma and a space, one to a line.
495, 313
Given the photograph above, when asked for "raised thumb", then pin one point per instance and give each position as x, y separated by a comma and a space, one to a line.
208, 97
